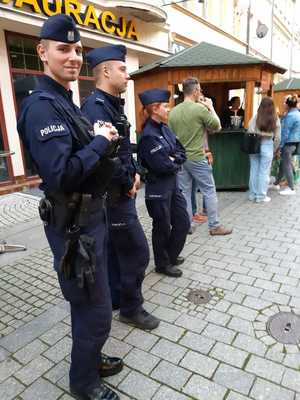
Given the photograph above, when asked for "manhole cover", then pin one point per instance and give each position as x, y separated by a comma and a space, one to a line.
199, 296
285, 327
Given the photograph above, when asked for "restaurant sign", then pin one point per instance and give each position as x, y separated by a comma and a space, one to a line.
105, 21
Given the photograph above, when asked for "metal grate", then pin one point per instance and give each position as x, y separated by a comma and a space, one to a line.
199, 296
285, 327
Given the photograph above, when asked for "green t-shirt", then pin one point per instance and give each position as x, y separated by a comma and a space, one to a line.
189, 120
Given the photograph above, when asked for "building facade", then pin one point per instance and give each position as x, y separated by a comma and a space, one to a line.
141, 27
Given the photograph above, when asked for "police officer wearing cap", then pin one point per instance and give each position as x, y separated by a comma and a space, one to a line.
49, 127
128, 250
162, 155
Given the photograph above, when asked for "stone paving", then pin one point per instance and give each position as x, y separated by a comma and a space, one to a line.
217, 351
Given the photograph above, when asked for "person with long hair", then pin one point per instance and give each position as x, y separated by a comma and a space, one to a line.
162, 155
267, 125
290, 142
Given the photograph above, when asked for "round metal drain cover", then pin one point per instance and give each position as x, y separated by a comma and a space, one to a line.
199, 296
284, 327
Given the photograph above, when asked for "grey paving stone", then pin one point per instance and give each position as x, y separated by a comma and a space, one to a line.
7, 368
30, 351
277, 298
292, 361
191, 323
56, 333
225, 284
204, 389
291, 380
268, 391
236, 396
243, 312
219, 333
164, 288
166, 314
265, 369
141, 361
241, 325
234, 378
197, 342
241, 278
119, 330
171, 375
199, 364
166, 393
267, 285
169, 351
3, 354
229, 354
27, 333
162, 299
139, 386
57, 372
217, 317
10, 389
42, 390
255, 303
142, 340
250, 344
60, 350
33, 370
115, 380
116, 348
169, 331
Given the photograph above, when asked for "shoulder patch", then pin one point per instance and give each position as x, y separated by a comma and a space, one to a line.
54, 129
99, 100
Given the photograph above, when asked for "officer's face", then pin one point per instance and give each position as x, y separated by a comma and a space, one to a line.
161, 111
62, 61
117, 75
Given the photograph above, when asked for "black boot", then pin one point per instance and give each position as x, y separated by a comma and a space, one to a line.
169, 270
110, 366
142, 320
179, 260
101, 392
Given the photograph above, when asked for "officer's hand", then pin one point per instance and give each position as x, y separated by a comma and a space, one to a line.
137, 181
107, 130
132, 192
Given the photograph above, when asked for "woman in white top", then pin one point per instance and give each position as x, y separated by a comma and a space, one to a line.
266, 124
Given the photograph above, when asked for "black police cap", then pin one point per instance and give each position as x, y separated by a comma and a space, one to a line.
61, 28
106, 53
154, 96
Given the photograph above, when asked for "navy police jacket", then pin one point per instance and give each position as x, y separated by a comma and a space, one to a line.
50, 136
103, 107
157, 144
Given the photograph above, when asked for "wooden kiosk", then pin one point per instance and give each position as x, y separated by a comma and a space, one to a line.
283, 89
218, 70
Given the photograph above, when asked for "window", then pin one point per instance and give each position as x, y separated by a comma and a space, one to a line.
25, 69
86, 79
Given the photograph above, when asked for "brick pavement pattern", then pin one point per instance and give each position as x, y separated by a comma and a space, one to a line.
217, 351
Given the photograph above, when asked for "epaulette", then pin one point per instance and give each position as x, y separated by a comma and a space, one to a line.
99, 100
46, 95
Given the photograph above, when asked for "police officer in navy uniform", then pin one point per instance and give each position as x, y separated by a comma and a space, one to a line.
48, 129
128, 250
162, 154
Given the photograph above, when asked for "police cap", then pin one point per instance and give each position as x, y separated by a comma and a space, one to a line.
107, 53
61, 28
154, 96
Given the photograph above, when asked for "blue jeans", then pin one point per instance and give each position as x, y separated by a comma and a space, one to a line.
260, 168
201, 172
194, 199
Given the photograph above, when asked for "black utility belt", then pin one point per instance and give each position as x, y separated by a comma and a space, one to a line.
56, 210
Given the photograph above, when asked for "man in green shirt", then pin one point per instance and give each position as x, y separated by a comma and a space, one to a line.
189, 120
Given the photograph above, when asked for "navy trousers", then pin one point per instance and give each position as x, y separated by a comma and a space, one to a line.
90, 309
170, 226
128, 257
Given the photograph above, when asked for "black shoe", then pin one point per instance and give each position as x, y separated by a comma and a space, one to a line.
101, 392
169, 270
179, 260
142, 320
115, 306
110, 366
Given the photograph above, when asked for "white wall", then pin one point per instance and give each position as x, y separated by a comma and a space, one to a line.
9, 109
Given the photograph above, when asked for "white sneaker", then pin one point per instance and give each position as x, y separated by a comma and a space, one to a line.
274, 187
287, 192
264, 200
